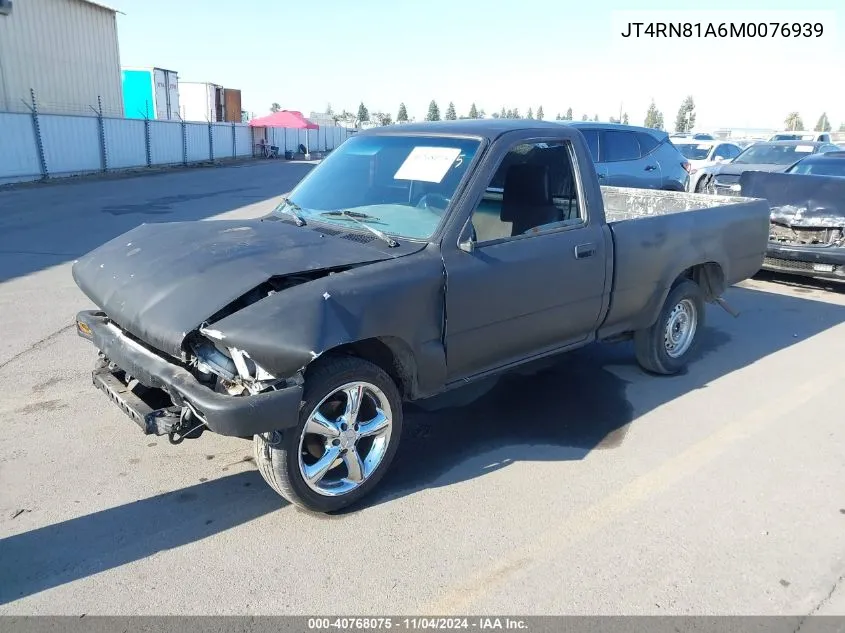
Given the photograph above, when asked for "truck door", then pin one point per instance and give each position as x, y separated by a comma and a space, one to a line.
534, 280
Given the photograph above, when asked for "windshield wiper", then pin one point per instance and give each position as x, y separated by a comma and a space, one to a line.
291, 208
352, 215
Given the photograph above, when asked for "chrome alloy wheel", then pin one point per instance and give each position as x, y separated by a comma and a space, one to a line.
345, 439
680, 328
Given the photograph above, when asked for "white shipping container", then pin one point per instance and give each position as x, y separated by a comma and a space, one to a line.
200, 101
166, 94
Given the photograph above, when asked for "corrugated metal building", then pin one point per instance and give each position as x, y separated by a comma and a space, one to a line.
66, 50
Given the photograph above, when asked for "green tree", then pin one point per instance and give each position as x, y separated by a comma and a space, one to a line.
329, 110
568, 116
654, 117
383, 118
540, 113
509, 114
473, 112
503, 114
403, 113
584, 117
823, 124
496, 115
275, 107
516, 113
596, 118
794, 122
450, 112
558, 117
625, 118
433, 112
363, 114
685, 121
530, 113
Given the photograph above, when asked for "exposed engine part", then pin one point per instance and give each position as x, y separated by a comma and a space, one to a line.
209, 359
805, 235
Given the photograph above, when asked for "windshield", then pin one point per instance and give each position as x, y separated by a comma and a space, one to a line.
792, 137
819, 168
694, 151
399, 185
767, 154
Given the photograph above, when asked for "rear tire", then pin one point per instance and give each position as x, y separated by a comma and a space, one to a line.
666, 346
354, 443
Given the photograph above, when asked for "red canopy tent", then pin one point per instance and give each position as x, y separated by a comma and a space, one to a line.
285, 118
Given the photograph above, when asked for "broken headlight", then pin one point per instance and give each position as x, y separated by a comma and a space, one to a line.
237, 372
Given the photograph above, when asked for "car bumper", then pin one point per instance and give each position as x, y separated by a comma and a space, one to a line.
240, 416
824, 262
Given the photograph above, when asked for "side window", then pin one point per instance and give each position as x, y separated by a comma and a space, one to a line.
618, 146
724, 151
533, 191
647, 142
592, 137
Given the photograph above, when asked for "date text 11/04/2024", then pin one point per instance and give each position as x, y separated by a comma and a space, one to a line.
723, 29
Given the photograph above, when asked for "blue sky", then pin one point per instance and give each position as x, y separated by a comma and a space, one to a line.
559, 54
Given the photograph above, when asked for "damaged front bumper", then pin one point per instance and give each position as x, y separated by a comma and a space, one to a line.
241, 416
824, 262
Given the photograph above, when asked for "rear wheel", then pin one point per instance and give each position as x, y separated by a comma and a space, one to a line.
666, 346
348, 432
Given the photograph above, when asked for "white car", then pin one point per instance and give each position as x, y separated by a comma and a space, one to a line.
704, 154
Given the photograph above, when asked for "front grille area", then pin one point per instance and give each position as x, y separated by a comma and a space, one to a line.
791, 264
803, 236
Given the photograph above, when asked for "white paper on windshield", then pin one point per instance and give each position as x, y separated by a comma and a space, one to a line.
803, 148
703, 146
427, 164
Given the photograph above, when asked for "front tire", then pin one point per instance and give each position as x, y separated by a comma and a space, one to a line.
665, 347
348, 432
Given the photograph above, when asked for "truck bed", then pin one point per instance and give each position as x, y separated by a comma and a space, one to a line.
657, 235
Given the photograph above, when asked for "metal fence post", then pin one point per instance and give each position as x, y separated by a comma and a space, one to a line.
184, 140
252, 140
234, 142
101, 128
147, 142
210, 142
39, 141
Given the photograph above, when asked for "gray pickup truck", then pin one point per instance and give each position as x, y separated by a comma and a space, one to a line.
412, 260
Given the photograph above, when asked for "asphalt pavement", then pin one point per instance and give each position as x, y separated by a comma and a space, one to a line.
582, 487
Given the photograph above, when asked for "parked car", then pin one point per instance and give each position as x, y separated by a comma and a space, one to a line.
698, 136
702, 154
392, 272
828, 164
818, 137
807, 234
631, 156
772, 156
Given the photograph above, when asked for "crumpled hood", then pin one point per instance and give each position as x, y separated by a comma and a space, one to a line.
799, 200
733, 169
160, 281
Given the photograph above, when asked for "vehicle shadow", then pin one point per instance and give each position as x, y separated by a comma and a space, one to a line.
43, 226
799, 283
578, 403
57, 554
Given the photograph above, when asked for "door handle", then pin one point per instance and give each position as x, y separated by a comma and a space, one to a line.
650, 167
582, 251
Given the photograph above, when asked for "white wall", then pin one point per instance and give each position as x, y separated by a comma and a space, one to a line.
66, 50
77, 144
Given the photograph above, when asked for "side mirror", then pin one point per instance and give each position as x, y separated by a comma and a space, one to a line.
467, 240
720, 159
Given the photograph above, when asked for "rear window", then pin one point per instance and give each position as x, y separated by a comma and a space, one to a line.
647, 142
694, 151
592, 137
620, 146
